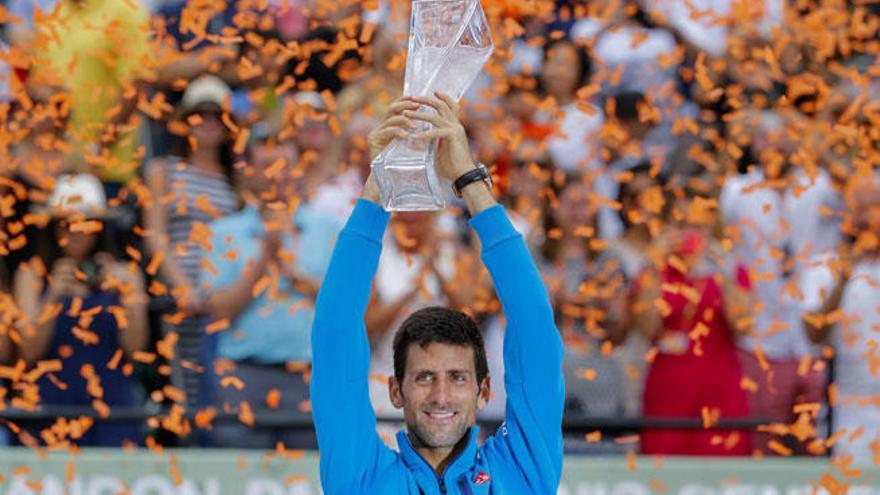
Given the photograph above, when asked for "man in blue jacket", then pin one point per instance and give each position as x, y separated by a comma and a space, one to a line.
441, 376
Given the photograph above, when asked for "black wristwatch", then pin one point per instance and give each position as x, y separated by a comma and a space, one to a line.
481, 173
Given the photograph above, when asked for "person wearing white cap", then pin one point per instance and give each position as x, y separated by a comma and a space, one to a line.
191, 190
99, 305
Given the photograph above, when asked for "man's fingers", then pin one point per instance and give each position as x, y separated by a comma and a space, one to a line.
432, 134
397, 121
400, 105
441, 107
384, 136
445, 98
431, 118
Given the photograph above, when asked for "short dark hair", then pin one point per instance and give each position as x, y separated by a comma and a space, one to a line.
440, 325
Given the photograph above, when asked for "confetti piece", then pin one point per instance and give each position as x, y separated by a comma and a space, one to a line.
273, 398
246, 415
710, 416
114, 361
217, 326
241, 141
232, 381
834, 487
205, 417
143, 357
587, 374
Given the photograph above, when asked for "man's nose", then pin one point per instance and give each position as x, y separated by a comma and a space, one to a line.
439, 392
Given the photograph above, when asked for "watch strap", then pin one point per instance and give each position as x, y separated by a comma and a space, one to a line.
476, 175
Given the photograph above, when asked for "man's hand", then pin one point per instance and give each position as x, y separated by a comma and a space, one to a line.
453, 153
395, 125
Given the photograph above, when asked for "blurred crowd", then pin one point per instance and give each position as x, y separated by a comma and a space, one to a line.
697, 181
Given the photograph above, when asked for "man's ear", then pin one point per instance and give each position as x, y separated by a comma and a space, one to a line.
485, 393
395, 392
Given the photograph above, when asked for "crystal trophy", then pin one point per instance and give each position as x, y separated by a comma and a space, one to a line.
449, 42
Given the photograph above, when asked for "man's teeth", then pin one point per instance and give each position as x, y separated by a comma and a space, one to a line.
441, 415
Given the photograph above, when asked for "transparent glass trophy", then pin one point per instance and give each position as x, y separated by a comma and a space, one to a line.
449, 42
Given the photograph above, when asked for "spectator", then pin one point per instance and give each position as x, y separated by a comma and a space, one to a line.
642, 197
338, 194
102, 320
760, 209
691, 306
848, 282
709, 32
573, 144
95, 50
642, 200
189, 192
631, 53
270, 326
623, 140
36, 162
314, 138
589, 302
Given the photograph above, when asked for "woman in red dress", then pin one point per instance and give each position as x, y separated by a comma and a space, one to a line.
691, 304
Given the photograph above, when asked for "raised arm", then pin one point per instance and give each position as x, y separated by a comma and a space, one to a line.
532, 434
344, 419
532, 353
345, 423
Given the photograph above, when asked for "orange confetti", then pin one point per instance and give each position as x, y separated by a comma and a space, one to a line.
114, 361
834, 487
143, 357
232, 381
246, 415
273, 398
205, 417
780, 449
217, 326
241, 141
587, 374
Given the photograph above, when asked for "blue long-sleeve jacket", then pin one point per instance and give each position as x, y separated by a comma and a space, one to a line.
524, 457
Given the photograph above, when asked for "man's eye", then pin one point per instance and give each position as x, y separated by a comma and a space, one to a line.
424, 377
459, 378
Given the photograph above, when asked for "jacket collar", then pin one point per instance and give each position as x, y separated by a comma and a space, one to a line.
463, 463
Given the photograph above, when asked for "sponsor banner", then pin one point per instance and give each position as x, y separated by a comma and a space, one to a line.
230, 472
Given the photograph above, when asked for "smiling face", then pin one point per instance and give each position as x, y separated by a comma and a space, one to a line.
439, 394
209, 132
561, 70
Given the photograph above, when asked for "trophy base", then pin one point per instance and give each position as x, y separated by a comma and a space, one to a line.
407, 182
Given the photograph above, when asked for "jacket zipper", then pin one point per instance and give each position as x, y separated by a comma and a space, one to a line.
440, 481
